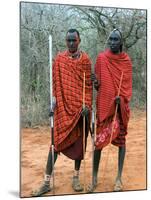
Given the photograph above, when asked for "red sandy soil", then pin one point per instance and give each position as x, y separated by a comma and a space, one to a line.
34, 150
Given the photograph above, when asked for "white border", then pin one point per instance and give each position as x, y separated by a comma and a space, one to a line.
9, 98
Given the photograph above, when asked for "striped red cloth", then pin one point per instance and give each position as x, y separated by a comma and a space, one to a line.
68, 75
108, 70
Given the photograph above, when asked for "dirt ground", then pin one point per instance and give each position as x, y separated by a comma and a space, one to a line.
34, 150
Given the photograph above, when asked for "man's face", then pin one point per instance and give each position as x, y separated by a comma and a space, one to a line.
114, 42
72, 41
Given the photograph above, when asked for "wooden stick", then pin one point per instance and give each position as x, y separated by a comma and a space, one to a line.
93, 126
113, 126
84, 130
116, 108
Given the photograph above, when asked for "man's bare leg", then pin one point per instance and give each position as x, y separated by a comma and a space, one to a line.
121, 156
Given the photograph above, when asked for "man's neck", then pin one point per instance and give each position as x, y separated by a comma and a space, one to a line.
75, 55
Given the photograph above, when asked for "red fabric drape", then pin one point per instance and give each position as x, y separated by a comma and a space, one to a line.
68, 76
108, 69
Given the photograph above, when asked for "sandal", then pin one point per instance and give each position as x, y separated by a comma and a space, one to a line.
44, 188
76, 184
92, 186
118, 185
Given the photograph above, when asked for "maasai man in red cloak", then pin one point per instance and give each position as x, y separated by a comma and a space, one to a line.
68, 80
110, 65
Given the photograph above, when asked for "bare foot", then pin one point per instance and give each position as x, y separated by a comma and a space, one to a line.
92, 186
76, 184
44, 188
118, 185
